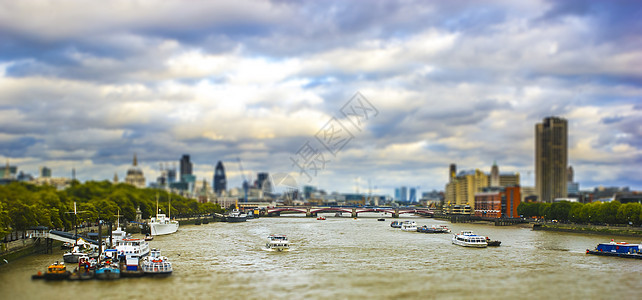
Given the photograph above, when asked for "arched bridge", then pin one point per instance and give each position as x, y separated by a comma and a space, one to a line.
312, 211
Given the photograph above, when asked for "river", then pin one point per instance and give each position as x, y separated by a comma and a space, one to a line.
345, 258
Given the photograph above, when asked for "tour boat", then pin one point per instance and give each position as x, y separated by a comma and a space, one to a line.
619, 249
131, 247
156, 264
277, 242
409, 226
162, 224
468, 239
432, 229
396, 224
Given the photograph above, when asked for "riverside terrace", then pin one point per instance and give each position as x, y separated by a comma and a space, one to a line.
312, 211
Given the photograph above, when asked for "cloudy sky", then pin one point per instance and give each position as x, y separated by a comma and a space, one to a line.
87, 84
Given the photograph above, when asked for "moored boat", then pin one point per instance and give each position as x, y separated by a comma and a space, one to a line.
618, 249
468, 239
55, 271
156, 264
277, 242
107, 267
132, 247
409, 226
162, 224
431, 229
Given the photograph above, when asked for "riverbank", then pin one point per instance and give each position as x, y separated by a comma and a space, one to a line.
624, 231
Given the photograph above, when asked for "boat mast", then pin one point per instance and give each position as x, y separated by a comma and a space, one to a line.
156, 206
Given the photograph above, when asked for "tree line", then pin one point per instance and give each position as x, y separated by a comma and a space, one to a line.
24, 205
612, 212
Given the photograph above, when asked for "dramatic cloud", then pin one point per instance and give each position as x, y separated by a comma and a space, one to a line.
86, 85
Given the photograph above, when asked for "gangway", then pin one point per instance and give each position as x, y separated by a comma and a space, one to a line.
62, 236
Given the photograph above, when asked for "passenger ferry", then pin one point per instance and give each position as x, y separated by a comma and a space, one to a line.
619, 249
156, 264
468, 239
131, 247
277, 242
409, 226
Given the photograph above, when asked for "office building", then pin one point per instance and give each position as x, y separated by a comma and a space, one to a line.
220, 181
551, 155
45, 172
186, 167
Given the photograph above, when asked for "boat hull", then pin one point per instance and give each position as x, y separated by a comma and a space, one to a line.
471, 245
162, 229
235, 219
623, 255
72, 257
107, 273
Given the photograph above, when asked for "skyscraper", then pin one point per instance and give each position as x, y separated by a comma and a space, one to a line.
404, 194
551, 157
186, 166
413, 195
220, 181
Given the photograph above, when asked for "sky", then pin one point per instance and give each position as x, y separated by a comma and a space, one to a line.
343, 95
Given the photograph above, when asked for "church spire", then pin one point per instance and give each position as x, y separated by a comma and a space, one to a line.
135, 160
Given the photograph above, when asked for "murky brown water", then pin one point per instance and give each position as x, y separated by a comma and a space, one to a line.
343, 258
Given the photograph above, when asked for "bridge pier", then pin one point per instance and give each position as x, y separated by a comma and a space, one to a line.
309, 214
396, 213
354, 212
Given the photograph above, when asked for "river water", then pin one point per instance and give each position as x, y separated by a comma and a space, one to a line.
344, 258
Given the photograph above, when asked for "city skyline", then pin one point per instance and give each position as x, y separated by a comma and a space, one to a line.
88, 86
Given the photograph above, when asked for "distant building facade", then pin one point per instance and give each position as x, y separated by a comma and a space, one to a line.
135, 175
551, 159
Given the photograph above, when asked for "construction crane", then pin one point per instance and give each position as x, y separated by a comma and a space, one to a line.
246, 184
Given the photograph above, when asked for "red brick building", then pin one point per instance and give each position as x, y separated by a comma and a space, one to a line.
498, 202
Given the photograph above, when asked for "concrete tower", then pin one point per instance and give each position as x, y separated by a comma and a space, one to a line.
551, 157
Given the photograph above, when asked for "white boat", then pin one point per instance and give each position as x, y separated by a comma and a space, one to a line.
130, 247
277, 242
162, 224
156, 264
409, 226
468, 239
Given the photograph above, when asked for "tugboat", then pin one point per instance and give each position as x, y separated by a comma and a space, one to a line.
492, 243
84, 271
55, 271
235, 215
619, 249
107, 267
